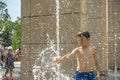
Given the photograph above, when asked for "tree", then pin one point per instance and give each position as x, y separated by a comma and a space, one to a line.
3, 15
4, 11
16, 34
15, 43
7, 32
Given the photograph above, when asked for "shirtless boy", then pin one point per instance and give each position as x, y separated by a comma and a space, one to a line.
86, 57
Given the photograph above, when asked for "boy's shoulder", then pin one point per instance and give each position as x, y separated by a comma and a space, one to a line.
79, 49
93, 49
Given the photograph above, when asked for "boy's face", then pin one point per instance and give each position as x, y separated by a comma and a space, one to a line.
83, 41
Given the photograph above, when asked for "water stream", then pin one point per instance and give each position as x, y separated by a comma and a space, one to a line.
43, 68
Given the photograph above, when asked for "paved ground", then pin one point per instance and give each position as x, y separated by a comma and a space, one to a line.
16, 71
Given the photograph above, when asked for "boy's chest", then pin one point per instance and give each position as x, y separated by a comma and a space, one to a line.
85, 55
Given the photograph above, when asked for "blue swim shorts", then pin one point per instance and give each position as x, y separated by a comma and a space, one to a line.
84, 75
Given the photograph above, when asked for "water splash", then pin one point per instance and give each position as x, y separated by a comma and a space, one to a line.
43, 69
43, 62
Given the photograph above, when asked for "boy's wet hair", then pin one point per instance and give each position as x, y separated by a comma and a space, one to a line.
83, 34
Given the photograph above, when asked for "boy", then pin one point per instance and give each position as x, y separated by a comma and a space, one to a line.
86, 58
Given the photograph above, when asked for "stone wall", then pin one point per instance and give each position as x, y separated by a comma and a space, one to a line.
114, 29
39, 28
39, 21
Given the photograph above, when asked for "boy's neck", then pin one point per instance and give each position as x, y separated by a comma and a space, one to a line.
85, 47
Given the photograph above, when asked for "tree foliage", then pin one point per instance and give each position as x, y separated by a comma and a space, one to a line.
4, 11
6, 32
16, 34
9, 31
10, 34
15, 43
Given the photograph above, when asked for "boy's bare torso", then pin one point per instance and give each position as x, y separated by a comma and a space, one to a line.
85, 59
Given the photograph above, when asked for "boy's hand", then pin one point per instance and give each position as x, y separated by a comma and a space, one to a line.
98, 77
56, 60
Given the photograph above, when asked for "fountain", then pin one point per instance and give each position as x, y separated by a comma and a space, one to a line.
46, 24
43, 68
115, 74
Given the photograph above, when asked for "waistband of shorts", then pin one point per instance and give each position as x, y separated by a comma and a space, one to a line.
86, 72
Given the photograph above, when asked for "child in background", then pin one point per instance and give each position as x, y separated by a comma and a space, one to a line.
86, 59
9, 63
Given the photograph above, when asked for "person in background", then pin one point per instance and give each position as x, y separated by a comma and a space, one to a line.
9, 63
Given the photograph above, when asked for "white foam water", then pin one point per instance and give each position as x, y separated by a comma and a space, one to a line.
43, 68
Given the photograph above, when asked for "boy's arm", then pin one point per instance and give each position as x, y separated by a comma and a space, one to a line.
96, 64
6, 55
65, 57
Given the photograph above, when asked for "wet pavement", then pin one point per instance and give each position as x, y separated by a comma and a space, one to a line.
110, 75
16, 71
